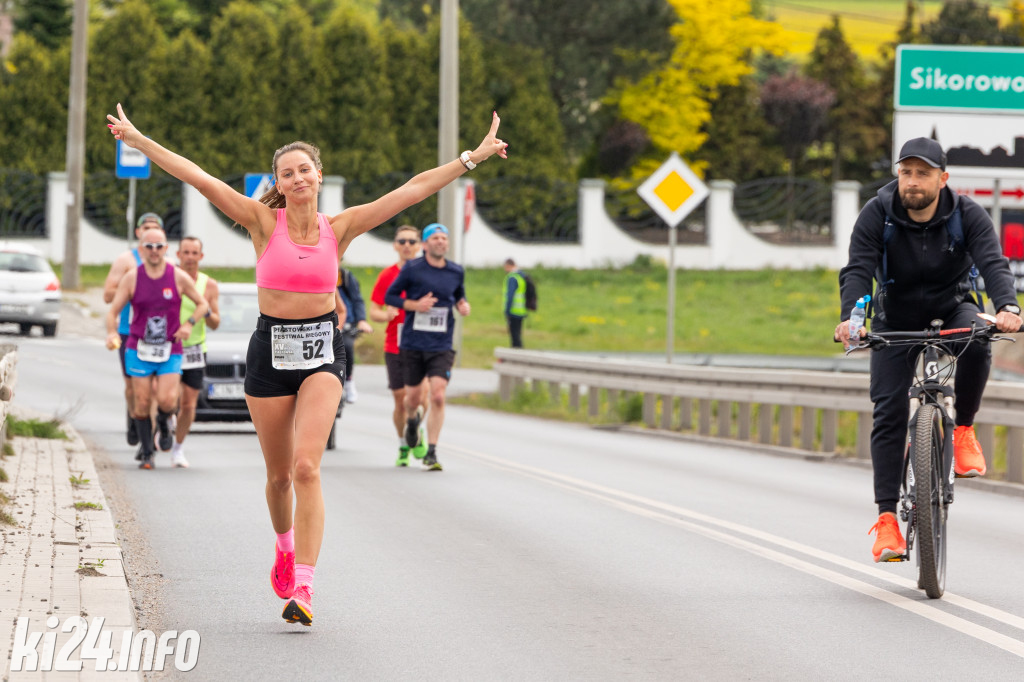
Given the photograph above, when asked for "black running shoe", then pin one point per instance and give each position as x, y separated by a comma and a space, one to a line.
166, 438
430, 462
412, 428
133, 434
147, 461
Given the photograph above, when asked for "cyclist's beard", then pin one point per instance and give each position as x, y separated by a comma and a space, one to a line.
917, 199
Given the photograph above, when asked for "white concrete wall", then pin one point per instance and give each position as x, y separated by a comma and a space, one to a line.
602, 243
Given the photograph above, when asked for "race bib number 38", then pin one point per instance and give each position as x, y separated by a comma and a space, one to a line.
302, 346
434, 320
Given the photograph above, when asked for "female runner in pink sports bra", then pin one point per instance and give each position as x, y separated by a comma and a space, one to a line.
293, 386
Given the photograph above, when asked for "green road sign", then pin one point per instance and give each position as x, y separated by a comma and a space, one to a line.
967, 79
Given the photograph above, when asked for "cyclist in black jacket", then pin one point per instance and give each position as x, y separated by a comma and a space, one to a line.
907, 240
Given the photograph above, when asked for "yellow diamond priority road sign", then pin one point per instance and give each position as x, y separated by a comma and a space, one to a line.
673, 191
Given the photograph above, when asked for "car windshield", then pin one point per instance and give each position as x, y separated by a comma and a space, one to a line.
15, 261
238, 312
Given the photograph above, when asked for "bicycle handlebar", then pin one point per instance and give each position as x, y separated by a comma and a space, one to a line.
933, 335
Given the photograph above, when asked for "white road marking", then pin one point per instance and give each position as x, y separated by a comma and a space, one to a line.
669, 514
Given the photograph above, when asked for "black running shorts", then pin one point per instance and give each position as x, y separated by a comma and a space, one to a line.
393, 363
263, 381
417, 364
193, 377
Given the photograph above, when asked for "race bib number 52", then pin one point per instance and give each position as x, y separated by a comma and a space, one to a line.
302, 346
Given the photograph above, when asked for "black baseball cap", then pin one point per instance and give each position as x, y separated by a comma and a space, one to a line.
926, 149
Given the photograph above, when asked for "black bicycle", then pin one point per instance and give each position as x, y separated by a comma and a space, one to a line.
927, 489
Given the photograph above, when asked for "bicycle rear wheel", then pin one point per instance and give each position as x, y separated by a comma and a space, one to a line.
930, 507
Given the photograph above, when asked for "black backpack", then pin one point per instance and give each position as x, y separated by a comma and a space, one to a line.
531, 292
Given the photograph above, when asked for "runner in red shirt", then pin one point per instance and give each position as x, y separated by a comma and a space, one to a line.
407, 246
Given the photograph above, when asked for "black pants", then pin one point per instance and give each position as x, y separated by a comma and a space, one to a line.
892, 373
515, 330
350, 354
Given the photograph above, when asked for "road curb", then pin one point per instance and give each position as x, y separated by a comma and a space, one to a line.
60, 561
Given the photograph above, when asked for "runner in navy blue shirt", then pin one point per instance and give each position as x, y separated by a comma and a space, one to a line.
434, 288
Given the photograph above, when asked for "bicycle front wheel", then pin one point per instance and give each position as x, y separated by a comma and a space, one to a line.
930, 509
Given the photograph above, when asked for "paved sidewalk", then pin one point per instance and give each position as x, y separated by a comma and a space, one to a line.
59, 561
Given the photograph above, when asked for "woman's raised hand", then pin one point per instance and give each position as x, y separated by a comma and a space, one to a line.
491, 144
122, 129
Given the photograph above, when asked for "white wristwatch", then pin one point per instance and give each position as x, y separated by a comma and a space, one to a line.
464, 158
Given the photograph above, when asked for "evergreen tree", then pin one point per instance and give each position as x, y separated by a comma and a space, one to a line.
301, 117
121, 53
358, 137
34, 106
854, 135
243, 105
48, 21
740, 144
181, 76
963, 22
413, 75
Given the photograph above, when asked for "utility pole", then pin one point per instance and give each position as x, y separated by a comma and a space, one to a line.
448, 132
448, 115
75, 154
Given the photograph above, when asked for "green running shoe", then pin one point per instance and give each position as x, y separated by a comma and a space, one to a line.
421, 449
403, 456
430, 462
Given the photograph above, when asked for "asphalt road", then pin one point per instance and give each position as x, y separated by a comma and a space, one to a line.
546, 551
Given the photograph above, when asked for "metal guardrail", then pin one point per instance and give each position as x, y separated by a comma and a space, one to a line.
743, 404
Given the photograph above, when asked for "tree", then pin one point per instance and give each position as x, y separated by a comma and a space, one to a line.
181, 72
1013, 32
963, 22
739, 145
121, 52
853, 132
243, 46
357, 135
586, 46
33, 104
713, 47
798, 109
48, 21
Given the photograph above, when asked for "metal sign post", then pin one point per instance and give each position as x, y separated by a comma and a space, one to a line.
131, 164
673, 191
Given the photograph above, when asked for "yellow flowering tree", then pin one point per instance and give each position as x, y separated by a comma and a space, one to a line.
714, 43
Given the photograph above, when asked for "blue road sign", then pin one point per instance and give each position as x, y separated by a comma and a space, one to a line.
256, 184
131, 163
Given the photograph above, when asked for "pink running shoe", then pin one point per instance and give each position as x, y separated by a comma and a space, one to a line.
282, 575
299, 609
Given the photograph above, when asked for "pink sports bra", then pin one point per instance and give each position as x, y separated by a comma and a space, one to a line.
288, 266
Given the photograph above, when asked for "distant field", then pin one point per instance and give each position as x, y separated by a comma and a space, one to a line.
867, 24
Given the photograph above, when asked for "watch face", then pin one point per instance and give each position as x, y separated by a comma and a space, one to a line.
1015, 309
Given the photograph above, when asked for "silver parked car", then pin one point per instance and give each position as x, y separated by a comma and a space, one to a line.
29, 290
222, 397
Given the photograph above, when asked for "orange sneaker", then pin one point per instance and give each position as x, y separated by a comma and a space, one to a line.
968, 460
889, 542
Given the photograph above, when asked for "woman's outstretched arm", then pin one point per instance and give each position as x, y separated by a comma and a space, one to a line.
356, 220
249, 213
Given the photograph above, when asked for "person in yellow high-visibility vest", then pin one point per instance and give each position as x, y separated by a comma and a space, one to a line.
515, 302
